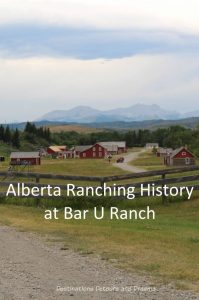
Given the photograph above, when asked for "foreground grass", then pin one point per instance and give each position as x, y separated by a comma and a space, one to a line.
167, 248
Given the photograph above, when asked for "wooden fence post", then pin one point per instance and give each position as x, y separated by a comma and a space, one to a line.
37, 178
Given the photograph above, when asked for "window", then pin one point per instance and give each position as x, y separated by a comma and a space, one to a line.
94, 154
184, 153
94, 149
100, 154
100, 148
84, 154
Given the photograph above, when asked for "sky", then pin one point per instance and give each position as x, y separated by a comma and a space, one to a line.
57, 54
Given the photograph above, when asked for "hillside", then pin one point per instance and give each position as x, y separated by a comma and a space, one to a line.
116, 125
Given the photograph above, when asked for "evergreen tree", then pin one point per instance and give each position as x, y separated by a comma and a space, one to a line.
16, 139
2, 133
7, 135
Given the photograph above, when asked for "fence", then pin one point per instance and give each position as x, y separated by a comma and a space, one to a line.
161, 181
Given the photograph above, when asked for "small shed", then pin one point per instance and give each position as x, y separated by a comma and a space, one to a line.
180, 157
152, 145
162, 152
25, 158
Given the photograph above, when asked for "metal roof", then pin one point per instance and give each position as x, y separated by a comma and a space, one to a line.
25, 155
82, 148
120, 144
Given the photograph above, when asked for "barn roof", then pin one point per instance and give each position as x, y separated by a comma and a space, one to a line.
83, 148
57, 148
25, 155
176, 151
120, 144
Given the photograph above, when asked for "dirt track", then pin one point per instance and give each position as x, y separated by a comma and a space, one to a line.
31, 267
128, 158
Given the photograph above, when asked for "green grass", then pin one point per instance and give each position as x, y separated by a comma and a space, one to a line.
88, 167
149, 161
167, 248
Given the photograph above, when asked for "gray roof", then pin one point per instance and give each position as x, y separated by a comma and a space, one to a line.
25, 155
82, 148
119, 144
164, 150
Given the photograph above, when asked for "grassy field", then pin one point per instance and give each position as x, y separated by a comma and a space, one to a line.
149, 161
167, 248
76, 128
95, 167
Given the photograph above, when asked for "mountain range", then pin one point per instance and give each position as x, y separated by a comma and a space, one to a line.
138, 112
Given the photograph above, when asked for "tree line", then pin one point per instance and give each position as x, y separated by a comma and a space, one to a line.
33, 136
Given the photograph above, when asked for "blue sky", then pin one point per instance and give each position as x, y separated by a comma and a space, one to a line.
56, 54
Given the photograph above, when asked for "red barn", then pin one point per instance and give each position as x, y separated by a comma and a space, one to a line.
91, 151
180, 157
25, 158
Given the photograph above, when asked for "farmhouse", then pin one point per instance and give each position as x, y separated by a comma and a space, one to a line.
152, 145
90, 151
25, 158
57, 151
162, 152
115, 147
180, 157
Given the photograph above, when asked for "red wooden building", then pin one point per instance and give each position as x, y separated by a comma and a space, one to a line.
115, 147
25, 158
180, 157
91, 151
57, 151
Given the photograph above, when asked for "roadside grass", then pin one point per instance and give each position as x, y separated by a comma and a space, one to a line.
167, 248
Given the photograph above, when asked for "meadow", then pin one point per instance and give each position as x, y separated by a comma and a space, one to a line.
166, 248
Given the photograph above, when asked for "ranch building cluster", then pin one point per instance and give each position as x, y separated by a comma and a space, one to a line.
98, 150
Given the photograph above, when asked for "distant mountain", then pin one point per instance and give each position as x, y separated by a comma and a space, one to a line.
191, 114
86, 114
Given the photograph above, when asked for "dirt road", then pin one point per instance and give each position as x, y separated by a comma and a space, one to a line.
32, 267
128, 158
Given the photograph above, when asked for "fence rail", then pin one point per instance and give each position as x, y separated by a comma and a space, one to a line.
7, 178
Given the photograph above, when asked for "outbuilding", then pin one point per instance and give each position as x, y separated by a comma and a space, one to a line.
25, 158
152, 146
114, 147
180, 157
162, 152
57, 151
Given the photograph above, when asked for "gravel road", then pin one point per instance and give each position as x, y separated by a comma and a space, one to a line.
128, 158
32, 267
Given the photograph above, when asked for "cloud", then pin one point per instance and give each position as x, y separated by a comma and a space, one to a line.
178, 15
30, 41
35, 86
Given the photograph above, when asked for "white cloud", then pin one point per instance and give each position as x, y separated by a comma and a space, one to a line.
177, 15
31, 87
